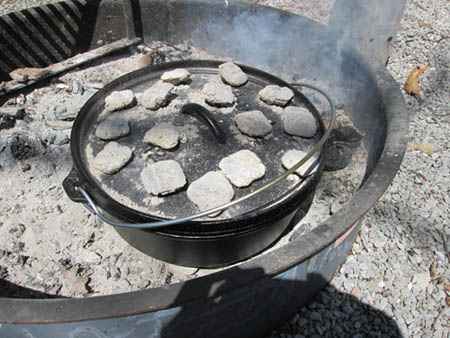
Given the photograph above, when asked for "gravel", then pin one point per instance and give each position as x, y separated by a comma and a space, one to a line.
392, 283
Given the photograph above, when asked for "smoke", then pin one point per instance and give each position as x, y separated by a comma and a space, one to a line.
281, 43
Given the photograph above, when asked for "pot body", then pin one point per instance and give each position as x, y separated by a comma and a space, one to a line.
214, 250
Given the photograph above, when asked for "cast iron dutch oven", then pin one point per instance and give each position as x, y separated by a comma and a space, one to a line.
240, 232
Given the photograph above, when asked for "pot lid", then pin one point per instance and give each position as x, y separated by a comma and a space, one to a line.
168, 145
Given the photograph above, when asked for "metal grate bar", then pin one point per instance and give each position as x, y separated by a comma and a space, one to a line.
55, 29
14, 37
45, 35
71, 24
15, 55
32, 38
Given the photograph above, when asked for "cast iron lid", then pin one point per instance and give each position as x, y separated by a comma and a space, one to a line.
123, 194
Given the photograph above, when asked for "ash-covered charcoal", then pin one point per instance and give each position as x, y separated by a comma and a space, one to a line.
6, 122
112, 158
242, 168
157, 95
112, 129
211, 190
163, 135
337, 156
341, 145
164, 177
176, 76
344, 131
24, 145
119, 100
292, 157
253, 123
299, 121
232, 74
276, 95
218, 94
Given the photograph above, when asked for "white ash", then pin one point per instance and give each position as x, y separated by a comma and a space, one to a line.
210, 191
299, 121
276, 95
112, 158
242, 168
157, 95
163, 177
217, 94
232, 74
163, 135
292, 157
176, 76
112, 129
119, 100
253, 123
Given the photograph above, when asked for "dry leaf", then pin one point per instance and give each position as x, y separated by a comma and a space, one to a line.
422, 176
433, 270
412, 83
447, 287
424, 24
356, 292
424, 148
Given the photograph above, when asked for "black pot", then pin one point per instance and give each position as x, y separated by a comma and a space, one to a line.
203, 242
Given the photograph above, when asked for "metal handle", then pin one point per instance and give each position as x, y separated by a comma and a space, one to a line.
90, 205
204, 115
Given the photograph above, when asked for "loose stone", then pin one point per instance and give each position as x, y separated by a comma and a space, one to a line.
299, 121
218, 94
112, 129
211, 190
242, 168
292, 157
163, 135
232, 74
176, 76
253, 123
119, 100
164, 177
157, 95
112, 158
276, 95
